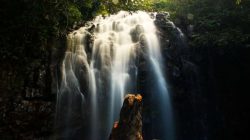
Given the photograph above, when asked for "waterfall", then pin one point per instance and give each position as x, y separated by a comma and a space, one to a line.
101, 66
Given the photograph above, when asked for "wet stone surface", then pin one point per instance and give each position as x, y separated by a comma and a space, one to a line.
24, 119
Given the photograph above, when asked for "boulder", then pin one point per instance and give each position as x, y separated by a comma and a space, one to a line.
129, 126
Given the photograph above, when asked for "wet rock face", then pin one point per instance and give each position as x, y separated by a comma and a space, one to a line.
168, 30
129, 127
26, 119
136, 32
203, 80
27, 101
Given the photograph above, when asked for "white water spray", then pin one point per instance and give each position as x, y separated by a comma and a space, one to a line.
107, 70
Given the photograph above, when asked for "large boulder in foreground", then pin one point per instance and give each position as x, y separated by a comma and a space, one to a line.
129, 126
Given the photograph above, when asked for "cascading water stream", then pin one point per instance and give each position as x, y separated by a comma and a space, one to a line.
103, 71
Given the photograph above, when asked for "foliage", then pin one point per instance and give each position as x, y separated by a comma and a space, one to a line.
73, 14
226, 22
137, 5
215, 22
166, 5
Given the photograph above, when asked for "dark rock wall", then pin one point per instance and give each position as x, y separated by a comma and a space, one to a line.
28, 96
208, 84
224, 73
